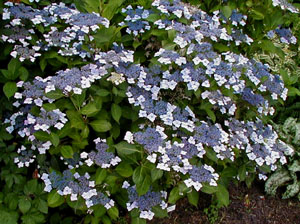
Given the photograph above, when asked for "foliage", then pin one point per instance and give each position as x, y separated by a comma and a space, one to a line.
287, 175
131, 105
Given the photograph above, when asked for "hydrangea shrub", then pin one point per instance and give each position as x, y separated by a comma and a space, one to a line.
144, 104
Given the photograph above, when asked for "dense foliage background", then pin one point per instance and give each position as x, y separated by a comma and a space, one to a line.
118, 106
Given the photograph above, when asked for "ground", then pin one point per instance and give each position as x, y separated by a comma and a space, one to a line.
248, 206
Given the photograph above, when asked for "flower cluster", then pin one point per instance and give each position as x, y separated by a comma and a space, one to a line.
135, 20
69, 39
101, 158
284, 4
146, 202
76, 185
285, 35
175, 133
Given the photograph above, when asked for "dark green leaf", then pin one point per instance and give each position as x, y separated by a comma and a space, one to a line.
116, 112
222, 196
144, 185
24, 205
75, 119
54, 138
193, 197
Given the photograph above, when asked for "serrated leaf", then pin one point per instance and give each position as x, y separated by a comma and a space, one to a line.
101, 125
24, 205
9, 89
124, 148
116, 112
67, 151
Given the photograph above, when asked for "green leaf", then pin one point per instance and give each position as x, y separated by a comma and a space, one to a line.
54, 138
174, 195
222, 196
13, 67
90, 109
211, 114
100, 175
10, 217
75, 119
101, 125
111, 8
124, 148
102, 92
24, 205
257, 15
226, 10
42, 135
193, 197
9, 89
54, 199
55, 94
67, 151
23, 73
138, 175
31, 187
242, 172
144, 185
105, 219
209, 189
42, 206
159, 212
137, 220
116, 112
78, 99
124, 169
113, 213
156, 174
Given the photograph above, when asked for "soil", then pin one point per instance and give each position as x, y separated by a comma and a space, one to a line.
248, 206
